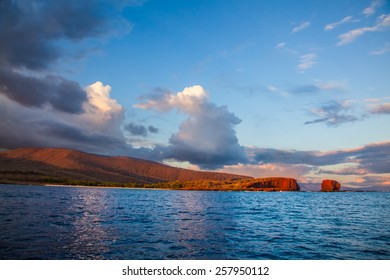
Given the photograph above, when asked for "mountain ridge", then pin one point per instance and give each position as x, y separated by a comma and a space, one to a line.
37, 164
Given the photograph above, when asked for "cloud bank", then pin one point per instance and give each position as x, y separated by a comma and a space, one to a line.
30, 29
94, 129
38, 109
54, 91
365, 161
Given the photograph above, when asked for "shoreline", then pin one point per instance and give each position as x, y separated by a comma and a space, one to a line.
168, 189
147, 188
78, 186
99, 187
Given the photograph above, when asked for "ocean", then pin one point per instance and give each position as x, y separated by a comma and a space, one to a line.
38, 222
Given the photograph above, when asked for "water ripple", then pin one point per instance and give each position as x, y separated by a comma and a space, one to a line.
95, 223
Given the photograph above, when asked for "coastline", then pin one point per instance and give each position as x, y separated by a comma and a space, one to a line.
76, 186
99, 187
216, 187
165, 186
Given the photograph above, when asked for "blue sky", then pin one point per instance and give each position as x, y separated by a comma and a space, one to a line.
264, 88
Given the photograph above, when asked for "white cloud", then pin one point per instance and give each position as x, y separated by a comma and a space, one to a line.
99, 101
280, 45
306, 62
383, 108
331, 26
189, 100
102, 113
350, 36
331, 85
383, 50
301, 27
207, 137
383, 21
375, 4
272, 88
277, 90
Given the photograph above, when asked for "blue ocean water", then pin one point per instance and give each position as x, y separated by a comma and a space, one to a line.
39, 222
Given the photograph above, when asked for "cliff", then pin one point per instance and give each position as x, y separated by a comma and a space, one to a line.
330, 186
272, 184
275, 184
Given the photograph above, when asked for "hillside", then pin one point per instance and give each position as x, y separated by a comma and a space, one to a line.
57, 165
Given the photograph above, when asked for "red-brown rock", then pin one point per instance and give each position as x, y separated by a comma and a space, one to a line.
274, 184
330, 186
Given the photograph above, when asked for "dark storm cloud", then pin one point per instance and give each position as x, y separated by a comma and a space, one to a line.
35, 35
32, 33
153, 129
374, 157
63, 95
77, 135
136, 129
30, 29
31, 128
140, 130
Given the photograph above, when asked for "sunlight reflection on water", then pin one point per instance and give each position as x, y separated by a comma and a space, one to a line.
96, 223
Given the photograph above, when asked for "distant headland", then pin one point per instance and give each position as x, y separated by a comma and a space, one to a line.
58, 166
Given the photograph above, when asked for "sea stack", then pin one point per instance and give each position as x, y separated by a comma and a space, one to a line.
330, 186
288, 184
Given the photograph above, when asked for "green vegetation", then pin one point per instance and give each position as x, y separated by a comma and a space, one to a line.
209, 185
230, 185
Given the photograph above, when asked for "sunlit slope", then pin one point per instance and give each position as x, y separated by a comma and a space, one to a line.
43, 164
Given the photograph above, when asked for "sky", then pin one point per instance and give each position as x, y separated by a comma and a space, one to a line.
262, 88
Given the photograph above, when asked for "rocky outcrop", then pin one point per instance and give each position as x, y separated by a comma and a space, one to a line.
330, 186
274, 184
